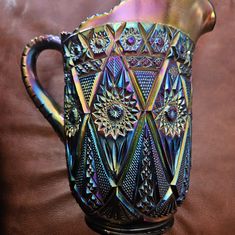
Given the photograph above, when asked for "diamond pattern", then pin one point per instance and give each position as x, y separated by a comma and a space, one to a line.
115, 113
145, 80
129, 182
87, 86
125, 152
115, 66
171, 114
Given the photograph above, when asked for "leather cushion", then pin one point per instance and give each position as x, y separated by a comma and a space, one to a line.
35, 195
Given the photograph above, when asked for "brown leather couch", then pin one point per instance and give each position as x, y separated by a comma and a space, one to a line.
35, 195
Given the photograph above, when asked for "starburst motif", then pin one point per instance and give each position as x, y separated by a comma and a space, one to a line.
131, 39
72, 117
159, 41
172, 114
76, 51
99, 42
115, 111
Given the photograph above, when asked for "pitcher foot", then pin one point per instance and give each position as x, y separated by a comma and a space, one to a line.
104, 228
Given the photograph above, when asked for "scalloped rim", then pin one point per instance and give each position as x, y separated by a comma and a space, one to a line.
82, 27
99, 14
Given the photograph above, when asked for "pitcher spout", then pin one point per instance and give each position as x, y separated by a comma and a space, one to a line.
209, 18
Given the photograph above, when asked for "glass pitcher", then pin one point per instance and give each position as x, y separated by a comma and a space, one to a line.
127, 117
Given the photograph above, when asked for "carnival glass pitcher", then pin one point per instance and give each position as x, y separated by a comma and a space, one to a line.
127, 119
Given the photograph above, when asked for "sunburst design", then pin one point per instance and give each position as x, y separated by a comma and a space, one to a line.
76, 50
172, 115
115, 111
99, 42
159, 40
72, 117
131, 39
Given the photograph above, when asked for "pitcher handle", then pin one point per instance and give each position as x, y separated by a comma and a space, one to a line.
43, 101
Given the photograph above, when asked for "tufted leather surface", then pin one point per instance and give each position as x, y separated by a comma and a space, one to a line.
35, 196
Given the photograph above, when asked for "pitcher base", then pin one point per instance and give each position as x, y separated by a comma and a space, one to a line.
140, 229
